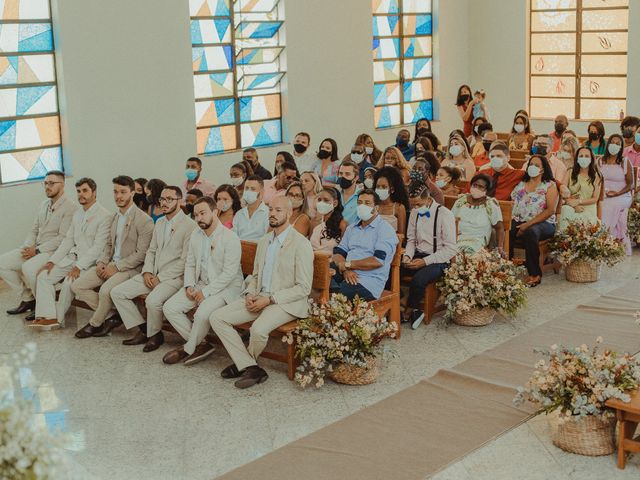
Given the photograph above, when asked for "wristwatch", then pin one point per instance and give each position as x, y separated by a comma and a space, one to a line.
272, 301
347, 265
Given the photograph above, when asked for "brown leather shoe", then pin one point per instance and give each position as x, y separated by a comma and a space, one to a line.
138, 339
45, 324
175, 356
231, 372
251, 376
201, 352
108, 325
87, 331
154, 342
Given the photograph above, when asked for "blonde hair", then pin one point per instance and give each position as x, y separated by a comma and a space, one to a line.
465, 150
317, 186
401, 163
571, 142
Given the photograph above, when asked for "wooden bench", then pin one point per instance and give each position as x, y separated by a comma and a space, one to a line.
628, 416
518, 155
504, 136
517, 163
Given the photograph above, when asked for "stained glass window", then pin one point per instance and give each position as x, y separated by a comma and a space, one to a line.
578, 58
29, 121
238, 66
402, 61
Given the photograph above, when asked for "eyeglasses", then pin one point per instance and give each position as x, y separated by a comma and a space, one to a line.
295, 195
167, 200
50, 184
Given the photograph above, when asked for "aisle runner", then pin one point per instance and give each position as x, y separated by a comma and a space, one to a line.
424, 428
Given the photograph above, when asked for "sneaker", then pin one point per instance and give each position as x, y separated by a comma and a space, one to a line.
417, 316
45, 324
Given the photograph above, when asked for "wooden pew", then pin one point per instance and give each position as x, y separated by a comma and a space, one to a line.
516, 163
503, 136
518, 154
389, 301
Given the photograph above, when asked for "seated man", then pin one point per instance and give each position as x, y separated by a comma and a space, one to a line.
505, 177
194, 180
122, 258
20, 266
252, 222
78, 252
276, 294
363, 258
161, 275
277, 187
212, 279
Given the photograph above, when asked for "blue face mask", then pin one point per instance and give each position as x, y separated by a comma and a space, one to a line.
191, 174
637, 138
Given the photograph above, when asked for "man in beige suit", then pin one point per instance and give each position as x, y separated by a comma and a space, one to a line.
20, 267
276, 294
122, 258
161, 275
212, 279
77, 253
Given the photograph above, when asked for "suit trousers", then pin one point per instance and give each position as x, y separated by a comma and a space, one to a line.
176, 309
100, 301
124, 294
46, 305
223, 320
21, 274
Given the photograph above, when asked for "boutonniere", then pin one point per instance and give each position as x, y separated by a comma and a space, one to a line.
173, 230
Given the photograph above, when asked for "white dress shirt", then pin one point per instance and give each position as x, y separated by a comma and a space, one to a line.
122, 220
275, 244
305, 162
251, 228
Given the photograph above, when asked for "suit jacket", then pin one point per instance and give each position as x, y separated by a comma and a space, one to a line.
292, 274
136, 237
47, 233
224, 271
85, 239
166, 256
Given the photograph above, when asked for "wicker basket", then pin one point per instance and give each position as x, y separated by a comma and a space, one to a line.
477, 317
354, 375
580, 271
591, 435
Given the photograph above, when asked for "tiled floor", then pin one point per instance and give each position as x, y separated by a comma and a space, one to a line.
141, 419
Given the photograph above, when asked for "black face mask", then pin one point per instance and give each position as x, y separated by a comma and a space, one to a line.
423, 131
139, 198
322, 154
344, 183
189, 208
487, 145
593, 136
149, 199
299, 148
559, 128
463, 99
627, 133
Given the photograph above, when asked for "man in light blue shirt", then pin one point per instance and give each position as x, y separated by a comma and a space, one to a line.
347, 181
363, 258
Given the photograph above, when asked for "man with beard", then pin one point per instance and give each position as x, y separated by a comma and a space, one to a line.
276, 293
161, 275
212, 279
78, 252
20, 266
122, 258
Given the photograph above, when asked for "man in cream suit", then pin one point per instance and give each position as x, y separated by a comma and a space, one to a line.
20, 267
212, 279
161, 275
77, 253
276, 294
122, 258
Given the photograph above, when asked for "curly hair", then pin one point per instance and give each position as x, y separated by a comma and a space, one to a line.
332, 224
398, 192
233, 193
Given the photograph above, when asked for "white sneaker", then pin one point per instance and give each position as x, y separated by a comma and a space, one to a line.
417, 317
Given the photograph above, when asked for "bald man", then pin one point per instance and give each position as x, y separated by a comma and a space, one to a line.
277, 293
560, 125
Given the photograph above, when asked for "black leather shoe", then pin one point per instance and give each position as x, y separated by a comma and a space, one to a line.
23, 308
231, 372
87, 331
138, 339
109, 324
31, 317
251, 376
154, 342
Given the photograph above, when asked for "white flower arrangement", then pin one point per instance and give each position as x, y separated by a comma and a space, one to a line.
586, 242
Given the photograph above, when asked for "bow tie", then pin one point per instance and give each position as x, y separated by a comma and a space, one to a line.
425, 214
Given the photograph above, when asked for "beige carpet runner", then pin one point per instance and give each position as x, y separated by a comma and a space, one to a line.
424, 428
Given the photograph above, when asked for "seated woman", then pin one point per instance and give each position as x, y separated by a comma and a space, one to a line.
372, 153
328, 226
581, 190
422, 145
238, 174
521, 138
312, 186
282, 157
393, 157
446, 180
534, 207
369, 173
567, 153
394, 199
228, 203
327, 164
299, 220
478, 214
458, 156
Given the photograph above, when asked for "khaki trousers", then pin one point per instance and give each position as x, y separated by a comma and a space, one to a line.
223, 320
100, 301
21, 274
46, 305
123, 295
176, 308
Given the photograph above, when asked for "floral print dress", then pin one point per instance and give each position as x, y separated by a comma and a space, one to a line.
528, 205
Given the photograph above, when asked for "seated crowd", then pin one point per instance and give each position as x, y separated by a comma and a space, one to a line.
179, 247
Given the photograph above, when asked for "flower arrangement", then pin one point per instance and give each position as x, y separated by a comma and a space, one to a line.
586, 242
337, 332
482, 280
578, 381
633, 223
27, 450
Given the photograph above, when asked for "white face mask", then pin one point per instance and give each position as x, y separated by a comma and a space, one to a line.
383, 193
533, 171
236, 181
357, 157
455, 150
223, 206
422, 210
368, 182
477, 193
369, 150
441, 183
584, 162
518, 127
496, 162
365, 212
614, 148
250, 196
323, 207
296, 202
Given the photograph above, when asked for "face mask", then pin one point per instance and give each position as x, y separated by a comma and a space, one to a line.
149, 199
455, 150
487, 145
422, 210
223, 206
369, 150
559, 128
323, 207
357, 157
139, 198
383, 193
593, 136
401, 142
637, 138
496, 163
296, 202
368, 182
518, 127
322, 154
250, 196
191, 174
422, 131
236, 181
365, 212
584, 162
189, 208
533, 171
539, 150
465, 98
441, 183
614, 149
477, 193
475, 129
344, 183
299, 148
627, 133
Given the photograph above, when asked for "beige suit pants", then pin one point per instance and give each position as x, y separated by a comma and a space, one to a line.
223, 320
21, 274
46, 305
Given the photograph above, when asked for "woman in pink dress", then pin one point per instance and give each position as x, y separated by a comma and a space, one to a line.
228, 203
618, 183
